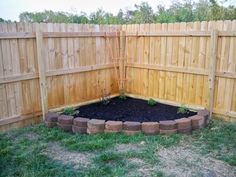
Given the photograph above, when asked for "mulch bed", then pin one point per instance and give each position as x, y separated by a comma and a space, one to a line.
131, 110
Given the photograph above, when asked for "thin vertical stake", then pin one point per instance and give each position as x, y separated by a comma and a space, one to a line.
41, 68
212, 69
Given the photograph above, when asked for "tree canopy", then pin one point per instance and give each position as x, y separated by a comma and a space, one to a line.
189, 10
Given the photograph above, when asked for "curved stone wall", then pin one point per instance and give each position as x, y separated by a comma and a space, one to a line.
95, 126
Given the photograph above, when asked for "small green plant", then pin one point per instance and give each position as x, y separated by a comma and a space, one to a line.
182, 110
152, 102
122, 95
105, 97
70, 111
105, 101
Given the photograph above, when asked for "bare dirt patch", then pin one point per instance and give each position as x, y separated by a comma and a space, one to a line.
129, 147
76, 159
137, 161
31, 136
143, 169
182, 161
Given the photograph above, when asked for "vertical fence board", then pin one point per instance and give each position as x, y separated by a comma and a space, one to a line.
42, 77
179, 86
212, 68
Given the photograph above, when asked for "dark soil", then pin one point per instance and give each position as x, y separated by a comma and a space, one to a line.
130, 110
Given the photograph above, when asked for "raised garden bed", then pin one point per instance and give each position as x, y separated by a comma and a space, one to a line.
130, 116
131, 109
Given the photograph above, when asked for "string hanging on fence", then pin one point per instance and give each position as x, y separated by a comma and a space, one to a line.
119, 58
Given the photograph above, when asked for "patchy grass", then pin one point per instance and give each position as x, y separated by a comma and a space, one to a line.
91, 143
25, 159
218, 139
39, 151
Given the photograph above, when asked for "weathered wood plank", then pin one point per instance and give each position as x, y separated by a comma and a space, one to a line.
42, 77
212, 69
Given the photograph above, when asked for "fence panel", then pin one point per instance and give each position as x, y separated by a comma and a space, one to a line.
172, 61
76, 68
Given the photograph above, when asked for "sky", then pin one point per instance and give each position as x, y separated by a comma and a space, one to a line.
11, 9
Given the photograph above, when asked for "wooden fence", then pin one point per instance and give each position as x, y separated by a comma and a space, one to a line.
69, 62
56, 65
188, 63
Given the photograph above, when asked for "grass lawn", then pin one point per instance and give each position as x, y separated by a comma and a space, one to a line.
39, 151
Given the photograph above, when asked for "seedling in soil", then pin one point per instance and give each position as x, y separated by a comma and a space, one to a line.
152, 102
105, 97
182, 110
122, 95
70, 111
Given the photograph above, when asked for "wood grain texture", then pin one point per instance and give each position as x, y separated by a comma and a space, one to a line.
179, 60
77, 66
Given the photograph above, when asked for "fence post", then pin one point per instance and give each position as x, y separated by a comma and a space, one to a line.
122, 58
212, 69
41, 68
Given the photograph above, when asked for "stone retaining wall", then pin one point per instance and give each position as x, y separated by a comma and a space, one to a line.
95, 126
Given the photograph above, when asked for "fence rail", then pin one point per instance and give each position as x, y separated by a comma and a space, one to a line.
26, 35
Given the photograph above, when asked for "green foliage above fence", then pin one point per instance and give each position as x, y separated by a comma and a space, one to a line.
187, 11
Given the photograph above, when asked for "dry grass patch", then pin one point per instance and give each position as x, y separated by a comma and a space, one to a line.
122, 148
183, 160
76, 159
141, 169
